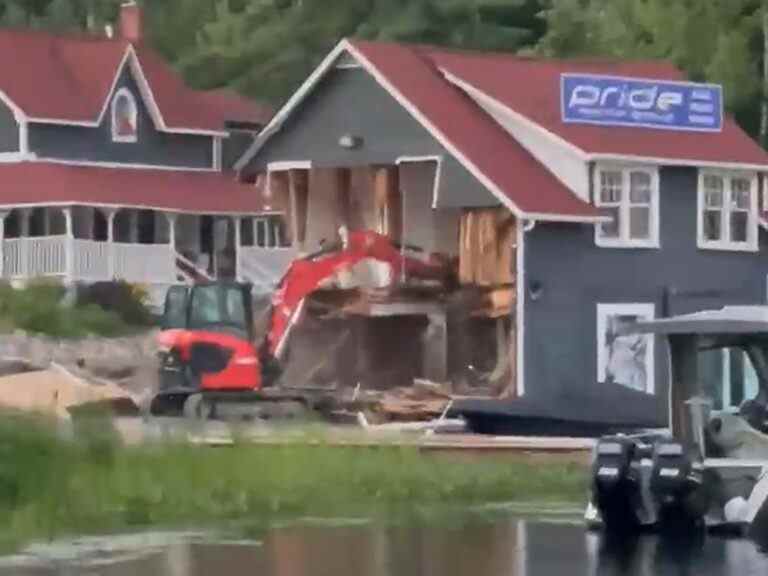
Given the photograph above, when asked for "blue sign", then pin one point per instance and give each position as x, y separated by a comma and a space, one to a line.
616, 101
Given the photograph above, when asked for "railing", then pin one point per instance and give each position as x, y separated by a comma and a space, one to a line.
91, 260
264, 267
188, 271
144, 263
34, 257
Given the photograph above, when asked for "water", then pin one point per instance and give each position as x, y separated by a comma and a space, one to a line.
507, 545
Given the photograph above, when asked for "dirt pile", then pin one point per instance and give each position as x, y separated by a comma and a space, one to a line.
55, 391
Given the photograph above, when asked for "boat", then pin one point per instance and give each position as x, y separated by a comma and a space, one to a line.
709, 468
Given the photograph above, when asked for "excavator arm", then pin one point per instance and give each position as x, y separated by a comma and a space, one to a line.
305, 275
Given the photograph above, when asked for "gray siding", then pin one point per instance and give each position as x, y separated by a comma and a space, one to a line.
350, 101
576, 275
95, 144
9, 130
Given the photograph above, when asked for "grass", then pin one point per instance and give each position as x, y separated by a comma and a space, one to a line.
50, 487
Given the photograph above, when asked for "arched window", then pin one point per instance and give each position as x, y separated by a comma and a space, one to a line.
124, 117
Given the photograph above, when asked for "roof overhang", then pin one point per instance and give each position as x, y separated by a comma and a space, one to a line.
730, 320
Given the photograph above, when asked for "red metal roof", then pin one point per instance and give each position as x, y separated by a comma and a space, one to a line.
531, 87
68, 78
237, 108
472, 133
30, 183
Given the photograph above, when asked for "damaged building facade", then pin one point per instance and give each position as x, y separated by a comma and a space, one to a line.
548, 231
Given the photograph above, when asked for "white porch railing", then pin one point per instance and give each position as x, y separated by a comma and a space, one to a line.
264, 267
33, 257
91, 261
144, 263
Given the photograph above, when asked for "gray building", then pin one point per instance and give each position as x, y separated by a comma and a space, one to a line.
582, 222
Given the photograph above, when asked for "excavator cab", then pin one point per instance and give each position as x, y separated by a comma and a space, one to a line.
206, 345
210, 307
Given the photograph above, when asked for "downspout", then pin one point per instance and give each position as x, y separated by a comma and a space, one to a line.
525, 227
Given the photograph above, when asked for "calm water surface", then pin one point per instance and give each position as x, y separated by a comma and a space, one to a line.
508, 546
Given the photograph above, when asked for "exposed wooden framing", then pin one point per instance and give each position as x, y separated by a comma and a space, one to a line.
280, 191
298, 183
486, 251
344, 196
388, 201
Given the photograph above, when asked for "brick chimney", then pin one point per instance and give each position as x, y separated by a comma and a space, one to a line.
130, 23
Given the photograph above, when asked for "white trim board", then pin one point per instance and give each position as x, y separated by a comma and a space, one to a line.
345, 46
438, 171
520, 285
128, 206
96, 164
289, 165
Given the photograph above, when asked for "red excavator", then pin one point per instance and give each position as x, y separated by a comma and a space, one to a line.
210, 362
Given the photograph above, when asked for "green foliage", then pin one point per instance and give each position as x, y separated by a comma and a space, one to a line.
265, 48
39, 309
122, 298
55, 487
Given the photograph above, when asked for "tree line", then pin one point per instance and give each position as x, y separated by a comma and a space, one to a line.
265, 48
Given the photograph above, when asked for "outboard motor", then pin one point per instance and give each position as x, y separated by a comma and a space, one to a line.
676, 486
616, 484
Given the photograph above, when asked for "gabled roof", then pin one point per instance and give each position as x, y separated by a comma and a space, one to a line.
531, 88
497, 160
197, 192
68, 79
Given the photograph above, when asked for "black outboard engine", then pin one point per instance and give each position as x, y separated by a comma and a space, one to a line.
616, 484
676, 487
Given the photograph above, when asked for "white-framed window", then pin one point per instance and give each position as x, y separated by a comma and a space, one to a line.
727, 211
625, 359
124, 117
263, 232
630, 195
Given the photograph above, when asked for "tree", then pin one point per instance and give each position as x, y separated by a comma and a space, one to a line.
265, 48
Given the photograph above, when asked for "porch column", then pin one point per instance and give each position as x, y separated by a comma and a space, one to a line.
69, 246
3, 216
238, 241
133, 221
24, 241
110, 213
171, 217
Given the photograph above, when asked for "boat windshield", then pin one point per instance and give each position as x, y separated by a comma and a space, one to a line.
731, 375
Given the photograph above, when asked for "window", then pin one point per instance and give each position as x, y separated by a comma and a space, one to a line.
727, 377
727, 211
124, 117
630, 196
625, 359
263, 232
